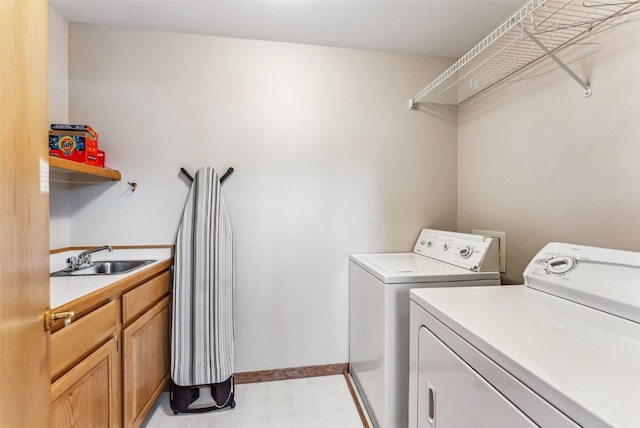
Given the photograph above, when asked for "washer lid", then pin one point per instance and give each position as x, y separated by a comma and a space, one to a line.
397, 268
583, 361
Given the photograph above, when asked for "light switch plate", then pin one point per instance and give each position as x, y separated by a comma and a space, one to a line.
502, 245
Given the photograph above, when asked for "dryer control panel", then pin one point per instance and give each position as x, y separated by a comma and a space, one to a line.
472, 252
602, 278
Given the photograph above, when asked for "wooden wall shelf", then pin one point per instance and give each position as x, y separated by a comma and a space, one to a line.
68, 171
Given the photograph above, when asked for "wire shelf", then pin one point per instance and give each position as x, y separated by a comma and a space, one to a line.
512, 46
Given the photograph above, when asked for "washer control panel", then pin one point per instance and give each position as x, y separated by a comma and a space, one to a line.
602, 278
472, 252
559, 265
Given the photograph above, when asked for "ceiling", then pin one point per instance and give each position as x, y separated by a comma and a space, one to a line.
445, 28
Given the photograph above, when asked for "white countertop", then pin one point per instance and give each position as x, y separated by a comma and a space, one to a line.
67, 288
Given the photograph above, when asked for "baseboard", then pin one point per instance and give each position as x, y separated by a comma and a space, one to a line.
356, 400
291, 373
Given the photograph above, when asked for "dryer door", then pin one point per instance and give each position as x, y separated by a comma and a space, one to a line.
451, 394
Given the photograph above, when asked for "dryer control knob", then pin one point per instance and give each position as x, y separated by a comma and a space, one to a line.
465, 252
560, 265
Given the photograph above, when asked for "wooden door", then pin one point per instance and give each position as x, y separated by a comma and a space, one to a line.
25, 388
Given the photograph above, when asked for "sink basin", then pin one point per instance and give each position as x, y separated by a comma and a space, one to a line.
109, 267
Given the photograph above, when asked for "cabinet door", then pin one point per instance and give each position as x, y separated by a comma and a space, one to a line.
451, 394
88, 395
146, 362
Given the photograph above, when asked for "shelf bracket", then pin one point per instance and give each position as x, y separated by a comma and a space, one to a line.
574, 76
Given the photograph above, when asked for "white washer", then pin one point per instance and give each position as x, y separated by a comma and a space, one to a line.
562, 350
379, 287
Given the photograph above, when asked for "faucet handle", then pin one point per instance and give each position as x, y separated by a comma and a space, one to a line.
84, 259
72, 263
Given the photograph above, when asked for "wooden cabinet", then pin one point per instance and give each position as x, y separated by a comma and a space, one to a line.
145, 362
88, 395
110, 365
85, 364
71, 344
145, 345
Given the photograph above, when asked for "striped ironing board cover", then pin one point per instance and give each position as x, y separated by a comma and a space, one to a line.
203, 287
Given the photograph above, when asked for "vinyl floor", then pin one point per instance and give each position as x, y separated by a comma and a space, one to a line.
316, 402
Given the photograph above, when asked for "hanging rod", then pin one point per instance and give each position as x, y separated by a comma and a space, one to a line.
224, 176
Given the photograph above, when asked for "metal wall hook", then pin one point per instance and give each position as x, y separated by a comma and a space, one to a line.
185, 172
226, 175
222, 179
132, 186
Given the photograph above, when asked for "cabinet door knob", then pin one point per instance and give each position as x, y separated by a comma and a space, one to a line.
50, 317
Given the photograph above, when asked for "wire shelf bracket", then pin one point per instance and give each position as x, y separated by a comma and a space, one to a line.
574, 76
538, 30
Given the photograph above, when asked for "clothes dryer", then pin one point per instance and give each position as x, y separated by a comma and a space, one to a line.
562, 350
379, 287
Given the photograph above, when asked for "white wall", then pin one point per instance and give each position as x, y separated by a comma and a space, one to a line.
58, 84
328, 158
543, 163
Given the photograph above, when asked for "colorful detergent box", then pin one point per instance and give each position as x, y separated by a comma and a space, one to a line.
100, 161
70, 127
78, 146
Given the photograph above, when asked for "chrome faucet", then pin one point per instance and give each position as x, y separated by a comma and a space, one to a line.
84, 258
